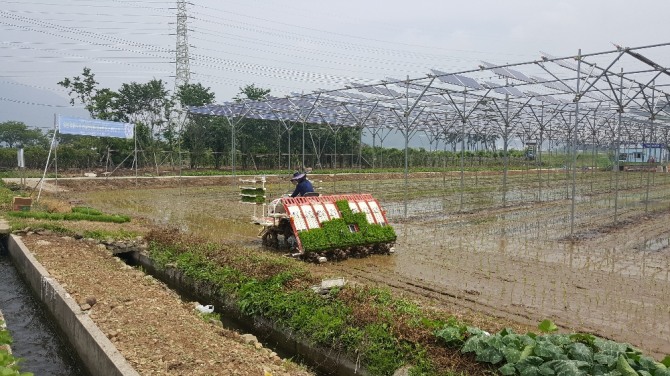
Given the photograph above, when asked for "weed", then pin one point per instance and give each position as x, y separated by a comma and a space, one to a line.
70, 216
281, 293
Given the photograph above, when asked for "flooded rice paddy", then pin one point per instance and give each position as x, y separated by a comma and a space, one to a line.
517, 247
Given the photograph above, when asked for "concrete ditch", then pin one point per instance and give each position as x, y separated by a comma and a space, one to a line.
325, 361
101, 357
98, 354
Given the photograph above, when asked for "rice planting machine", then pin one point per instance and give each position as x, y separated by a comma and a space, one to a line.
322, 227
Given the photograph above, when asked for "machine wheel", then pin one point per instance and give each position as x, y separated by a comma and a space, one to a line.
269, 237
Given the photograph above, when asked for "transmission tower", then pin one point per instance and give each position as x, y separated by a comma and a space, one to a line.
183, 72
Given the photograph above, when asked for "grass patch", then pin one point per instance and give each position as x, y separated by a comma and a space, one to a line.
382, 332
74, 216
17, 224
106, 234
86, 210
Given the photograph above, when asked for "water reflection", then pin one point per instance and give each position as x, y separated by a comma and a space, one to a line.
36, 339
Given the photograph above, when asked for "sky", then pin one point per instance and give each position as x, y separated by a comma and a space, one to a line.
293, 47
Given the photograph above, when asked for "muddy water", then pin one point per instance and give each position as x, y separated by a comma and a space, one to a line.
507, 250
36, 340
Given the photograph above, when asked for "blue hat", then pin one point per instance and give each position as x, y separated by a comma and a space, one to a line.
298, 175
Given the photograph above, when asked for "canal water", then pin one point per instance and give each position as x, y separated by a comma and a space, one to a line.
36, 339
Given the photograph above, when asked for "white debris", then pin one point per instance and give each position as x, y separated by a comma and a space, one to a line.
204, 308
328, 284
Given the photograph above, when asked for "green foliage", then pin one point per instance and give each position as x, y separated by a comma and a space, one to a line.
252, 195
252, 191
253, 199
86, 210
15, 133
380, 350
336, 233
34, 157
547, 326
213, 316
6, 196
70, 216
453, 333
5, 337
18, 224
554, 354
251, 92
104, 234
9, 365
194, 95
325, 321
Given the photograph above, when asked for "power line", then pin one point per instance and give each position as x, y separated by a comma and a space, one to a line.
337, 34
33, 103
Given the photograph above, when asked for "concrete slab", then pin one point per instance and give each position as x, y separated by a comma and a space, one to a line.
4, 227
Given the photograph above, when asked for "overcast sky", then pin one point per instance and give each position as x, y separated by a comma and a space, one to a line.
295, 46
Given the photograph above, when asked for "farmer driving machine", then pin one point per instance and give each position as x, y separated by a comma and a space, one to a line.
324, 227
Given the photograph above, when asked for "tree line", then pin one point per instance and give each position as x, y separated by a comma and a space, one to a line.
165, 136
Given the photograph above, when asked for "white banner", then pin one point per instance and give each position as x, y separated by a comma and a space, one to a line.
98, 128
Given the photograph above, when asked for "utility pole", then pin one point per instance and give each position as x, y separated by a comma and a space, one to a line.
183, 70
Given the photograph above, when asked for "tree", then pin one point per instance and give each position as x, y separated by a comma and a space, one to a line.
84, 89
15, 133
200, 133
148, 104
194, 95
251, 92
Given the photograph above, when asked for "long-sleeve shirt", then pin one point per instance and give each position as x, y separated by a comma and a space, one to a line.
303, 187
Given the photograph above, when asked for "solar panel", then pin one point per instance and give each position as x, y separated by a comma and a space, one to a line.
556, 85
448, 79
543, 98
596, 96
506, 90
367, 89
496, 70
457, 79
515, 92
640, 112
469, 82
497, 88
519, 76
562, 62
508, 72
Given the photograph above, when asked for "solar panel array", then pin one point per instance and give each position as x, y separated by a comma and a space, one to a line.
488, 98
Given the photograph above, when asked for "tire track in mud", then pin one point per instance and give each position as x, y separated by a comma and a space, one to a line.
434, 296
594, 282
575, 316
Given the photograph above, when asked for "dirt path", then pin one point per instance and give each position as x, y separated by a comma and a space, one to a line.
151, 326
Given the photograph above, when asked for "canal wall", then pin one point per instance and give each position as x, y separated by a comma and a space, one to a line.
96, 351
